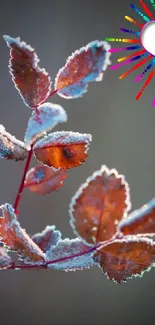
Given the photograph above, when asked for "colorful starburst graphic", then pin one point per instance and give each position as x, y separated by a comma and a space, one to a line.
143, 46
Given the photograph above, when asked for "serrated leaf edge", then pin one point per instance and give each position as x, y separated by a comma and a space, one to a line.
108, 171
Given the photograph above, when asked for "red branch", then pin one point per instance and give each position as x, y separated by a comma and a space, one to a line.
21, 187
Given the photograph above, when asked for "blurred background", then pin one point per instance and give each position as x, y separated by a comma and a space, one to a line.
123, 133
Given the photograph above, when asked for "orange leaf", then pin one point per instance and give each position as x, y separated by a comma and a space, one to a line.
42, 179
32, 82
99, 205
125, 258
17, 239
141, 221
62, 149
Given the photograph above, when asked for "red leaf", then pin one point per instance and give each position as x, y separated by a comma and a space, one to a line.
42, 179
125, 258
48, 238
32, 82
70, 255
17, 239
83, 66
46, 117
141, 221
62, 149
99, 205
5, 259
10, 147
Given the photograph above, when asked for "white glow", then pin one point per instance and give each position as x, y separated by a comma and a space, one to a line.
148, 37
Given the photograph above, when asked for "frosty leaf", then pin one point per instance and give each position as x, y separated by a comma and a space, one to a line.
47, 238
70, 255
42, 120
32, 82
10, 147
43, 180
5, 259
62, 149
99, 205
126, 258
141, 221
83, 66
14, 237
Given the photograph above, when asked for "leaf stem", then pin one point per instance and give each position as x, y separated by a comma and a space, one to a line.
59, 260
52, 93
21, 187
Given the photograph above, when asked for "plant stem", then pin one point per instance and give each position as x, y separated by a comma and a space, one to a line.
21, 187
52, 93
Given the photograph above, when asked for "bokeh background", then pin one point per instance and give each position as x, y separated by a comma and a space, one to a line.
123, 133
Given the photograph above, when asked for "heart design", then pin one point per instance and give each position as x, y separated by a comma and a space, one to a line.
148, 37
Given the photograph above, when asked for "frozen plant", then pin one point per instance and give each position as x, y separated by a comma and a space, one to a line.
107, 235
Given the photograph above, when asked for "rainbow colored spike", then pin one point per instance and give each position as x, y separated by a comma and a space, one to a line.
139, 52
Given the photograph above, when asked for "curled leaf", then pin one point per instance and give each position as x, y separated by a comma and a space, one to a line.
99, 205
83, 66
16, 239
70, 255
10, 147
141, 221
62, 149
42, 120
5, 259
47, 238
125, 258
43, 180
32, 82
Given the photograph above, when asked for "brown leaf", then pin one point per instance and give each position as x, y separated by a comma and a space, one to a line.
141, 221
125, 258
43, 180
85, 65
17, 239
99, 205
32, 82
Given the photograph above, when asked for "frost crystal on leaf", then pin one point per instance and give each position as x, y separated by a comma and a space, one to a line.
62, 149
125, 258
70, 255
83, 66
10, 147
99, 205
14, 237
47, 238
140, 221
46, 117
5, 259
32, 82
43, 180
